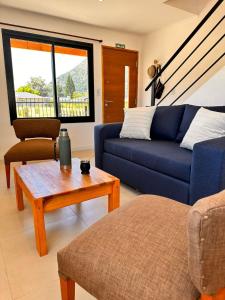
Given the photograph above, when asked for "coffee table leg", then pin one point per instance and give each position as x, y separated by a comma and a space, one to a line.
19, 192
114, 197
39, 225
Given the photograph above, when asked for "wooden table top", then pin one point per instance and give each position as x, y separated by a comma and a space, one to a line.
45, 179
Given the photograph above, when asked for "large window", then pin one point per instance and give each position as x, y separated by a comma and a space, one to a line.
48, 77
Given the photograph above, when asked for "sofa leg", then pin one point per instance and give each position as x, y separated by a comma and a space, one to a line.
24, 162
7, 173
219, 296
67, 289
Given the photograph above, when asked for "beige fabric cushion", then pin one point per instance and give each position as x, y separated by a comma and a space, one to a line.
34, 149
138, 252
206, 230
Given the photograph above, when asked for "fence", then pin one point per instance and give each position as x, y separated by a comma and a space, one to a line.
45, 107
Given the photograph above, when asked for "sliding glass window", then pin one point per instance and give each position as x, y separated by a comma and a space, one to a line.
48, 77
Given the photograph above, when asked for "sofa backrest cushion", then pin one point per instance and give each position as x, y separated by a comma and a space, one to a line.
166, 122
189, 114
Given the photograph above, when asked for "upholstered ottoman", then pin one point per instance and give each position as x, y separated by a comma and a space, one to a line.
151, 249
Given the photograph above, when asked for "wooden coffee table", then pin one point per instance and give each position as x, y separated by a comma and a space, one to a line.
48, 188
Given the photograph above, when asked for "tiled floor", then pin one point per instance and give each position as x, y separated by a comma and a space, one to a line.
23, 274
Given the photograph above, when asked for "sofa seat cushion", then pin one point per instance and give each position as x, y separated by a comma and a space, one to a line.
33, 149
136, 252
163, 156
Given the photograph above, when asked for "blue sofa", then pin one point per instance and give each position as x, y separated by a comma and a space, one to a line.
160, 166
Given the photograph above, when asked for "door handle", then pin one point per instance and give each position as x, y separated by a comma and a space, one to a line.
108, 101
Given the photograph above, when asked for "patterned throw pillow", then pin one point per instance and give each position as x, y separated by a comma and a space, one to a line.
137, 123
206, 125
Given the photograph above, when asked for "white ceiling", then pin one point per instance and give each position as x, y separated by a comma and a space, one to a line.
192, 6
137, 16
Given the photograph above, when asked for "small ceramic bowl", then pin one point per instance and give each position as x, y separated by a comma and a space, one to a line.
85, 166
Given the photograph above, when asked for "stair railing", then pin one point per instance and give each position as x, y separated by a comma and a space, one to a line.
187, 40
194, 82
194, 66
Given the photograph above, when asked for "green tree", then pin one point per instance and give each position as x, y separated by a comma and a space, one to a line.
28, 89
49, 89
38, 83
79, 95
60, 92
70, 87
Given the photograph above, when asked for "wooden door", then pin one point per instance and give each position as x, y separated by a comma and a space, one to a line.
120, 82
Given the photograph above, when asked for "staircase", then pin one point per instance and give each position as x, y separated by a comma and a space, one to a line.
195, 62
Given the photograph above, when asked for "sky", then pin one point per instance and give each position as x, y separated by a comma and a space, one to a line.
28, 63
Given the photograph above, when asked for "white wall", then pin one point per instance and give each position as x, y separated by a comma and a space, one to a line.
82, 133
161, 44
212, 91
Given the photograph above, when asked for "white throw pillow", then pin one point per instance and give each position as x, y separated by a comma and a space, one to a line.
206, 125
137, 122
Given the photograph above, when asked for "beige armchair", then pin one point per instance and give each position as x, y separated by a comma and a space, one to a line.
37, 142
151, 249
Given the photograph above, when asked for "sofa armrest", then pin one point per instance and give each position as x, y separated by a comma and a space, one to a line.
207, 169
102, 132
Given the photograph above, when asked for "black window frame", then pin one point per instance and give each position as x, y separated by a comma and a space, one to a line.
8, 34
